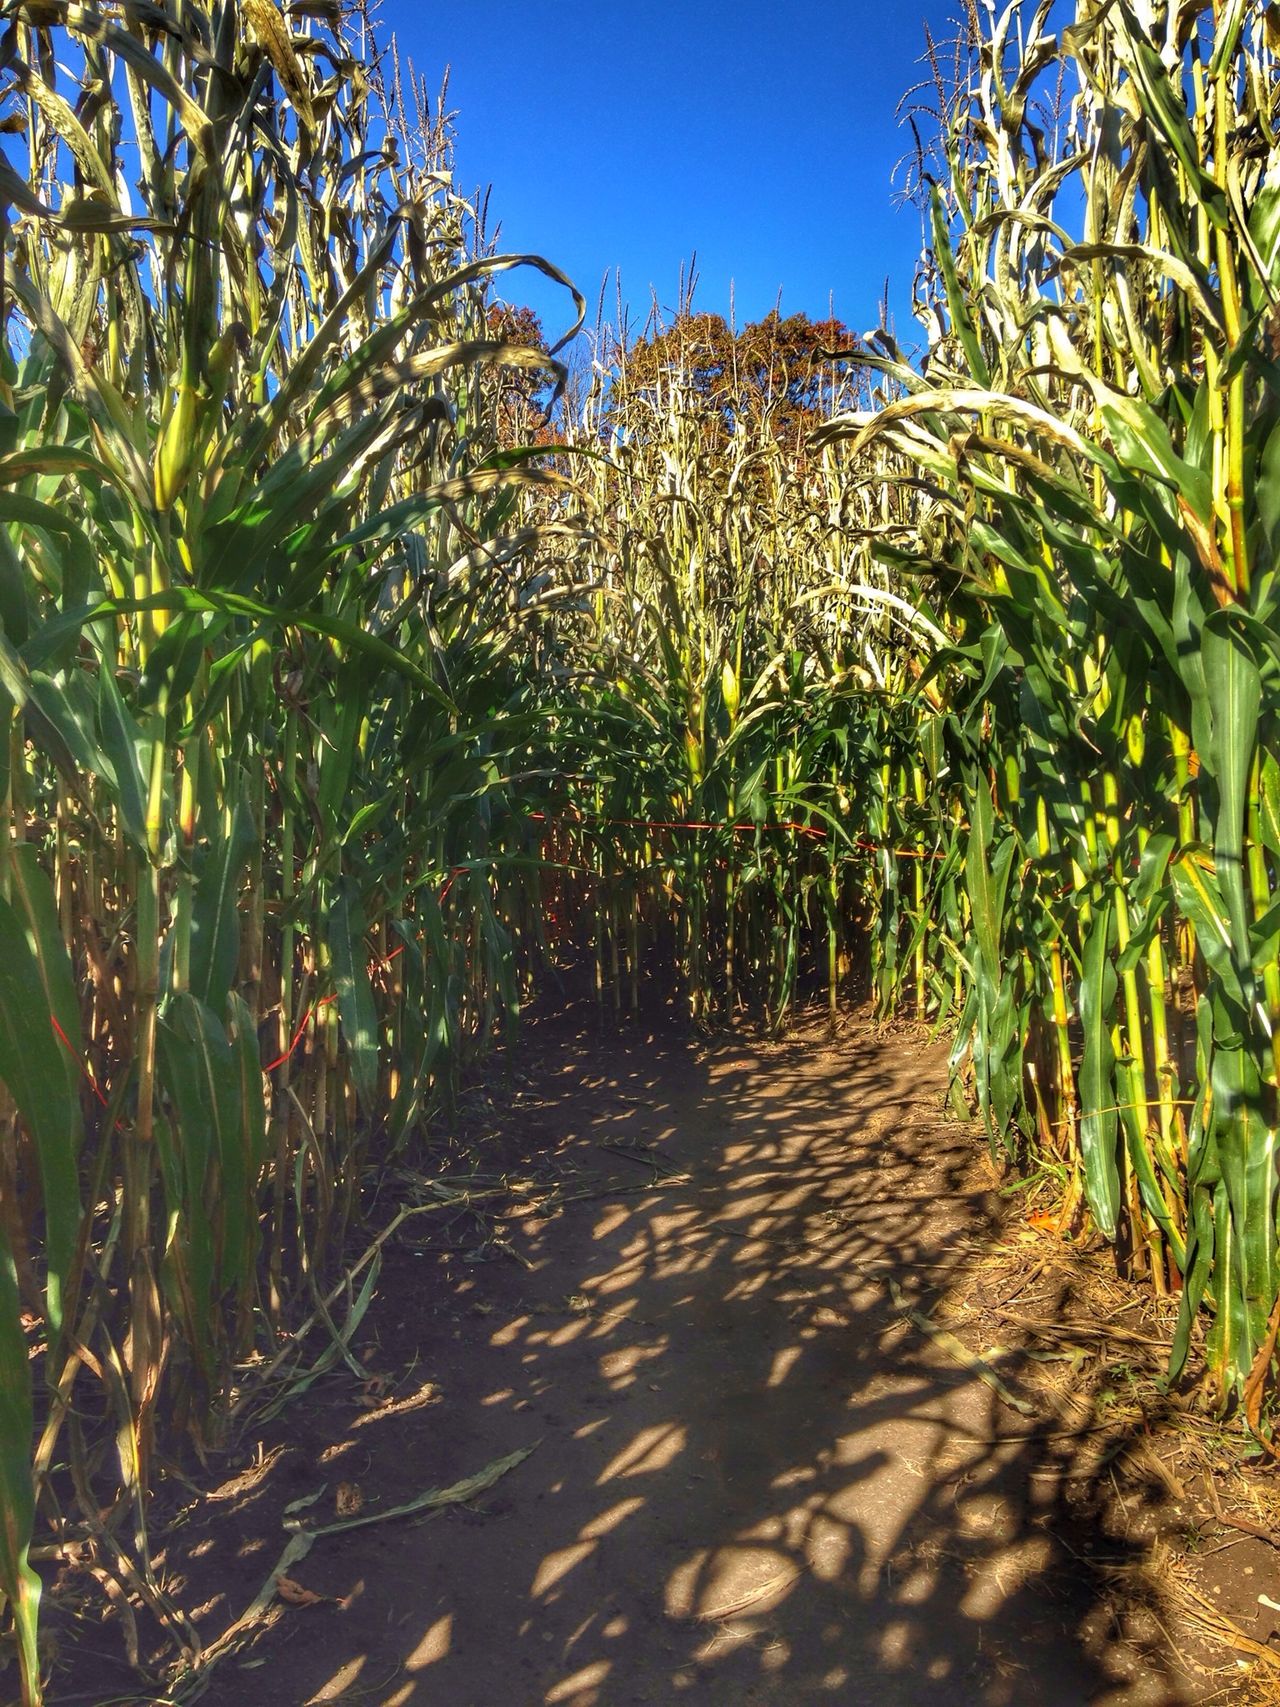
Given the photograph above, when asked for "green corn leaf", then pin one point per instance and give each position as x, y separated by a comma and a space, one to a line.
986, 894
1097, 1076
1164, 107
1142, 442
18, 1582
75, 562
67, 702
43, 1073
242, 1153
339, 756
124, 748
1264, 938
1152, 869
1269, 802
15, 614
1235, 692
1198, 1266
215, 915
199, 1075
1137, 1143
1200, 899
1247, 1155
1228, 1336
355, 996
957, 303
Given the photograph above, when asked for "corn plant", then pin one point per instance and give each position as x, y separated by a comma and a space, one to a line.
265, 629
1093, 426
721, 769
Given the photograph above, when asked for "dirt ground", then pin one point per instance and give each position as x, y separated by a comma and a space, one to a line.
754, 1474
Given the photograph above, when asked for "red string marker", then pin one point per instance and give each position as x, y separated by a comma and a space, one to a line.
83, 1065
737, 829
376, 965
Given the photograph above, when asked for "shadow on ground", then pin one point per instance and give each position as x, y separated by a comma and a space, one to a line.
754, 1481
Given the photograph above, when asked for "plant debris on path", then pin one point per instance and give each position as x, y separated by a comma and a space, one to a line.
772, 1463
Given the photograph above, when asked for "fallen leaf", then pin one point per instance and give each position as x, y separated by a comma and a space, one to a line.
375, 1392
348, 1500
293, 1593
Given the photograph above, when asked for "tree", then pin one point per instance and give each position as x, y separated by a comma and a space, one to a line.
783, 373
522, 394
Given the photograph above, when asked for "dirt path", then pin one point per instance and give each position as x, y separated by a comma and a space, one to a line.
753, 1482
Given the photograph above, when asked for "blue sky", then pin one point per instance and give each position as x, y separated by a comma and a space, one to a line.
760, 134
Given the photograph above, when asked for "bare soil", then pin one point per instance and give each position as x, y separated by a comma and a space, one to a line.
724, 1303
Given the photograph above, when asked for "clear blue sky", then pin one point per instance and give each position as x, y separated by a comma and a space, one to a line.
629, 134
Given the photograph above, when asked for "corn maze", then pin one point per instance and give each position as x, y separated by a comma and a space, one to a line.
338, 703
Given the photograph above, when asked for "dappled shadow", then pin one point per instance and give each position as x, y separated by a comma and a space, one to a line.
756, 1479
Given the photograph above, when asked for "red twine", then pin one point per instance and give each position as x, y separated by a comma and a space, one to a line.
736, 829
83, 1065
374, 966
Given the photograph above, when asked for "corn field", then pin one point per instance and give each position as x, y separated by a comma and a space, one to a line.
341, 701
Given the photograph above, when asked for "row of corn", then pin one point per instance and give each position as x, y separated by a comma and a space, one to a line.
267, 637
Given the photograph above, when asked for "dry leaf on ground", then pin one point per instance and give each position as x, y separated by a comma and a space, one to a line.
293, 1593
